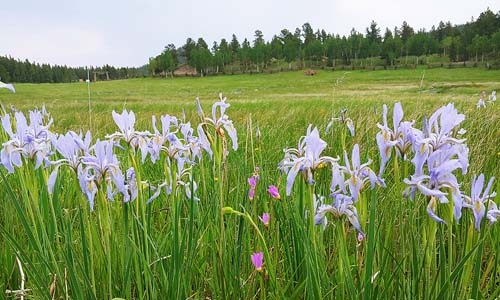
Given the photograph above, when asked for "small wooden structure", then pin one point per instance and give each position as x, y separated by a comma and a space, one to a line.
101, 75
310, 72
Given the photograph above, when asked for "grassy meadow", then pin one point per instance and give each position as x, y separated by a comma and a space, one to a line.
199, 244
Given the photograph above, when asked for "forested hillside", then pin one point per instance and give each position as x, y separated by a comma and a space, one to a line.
476, 42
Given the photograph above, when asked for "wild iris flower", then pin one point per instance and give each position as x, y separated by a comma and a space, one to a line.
88, 185
493, 213
439, 129
438, 153
438, 183
220, 121
399, 137
342, 205
305, 159
190, 186
183, 149
130, 185
70, 149
182, 177
8, 86
492, 97
342, 119
125, 122
481, 102
157, 142
31, 141
193, 144
477, 200
358, 174
102, 167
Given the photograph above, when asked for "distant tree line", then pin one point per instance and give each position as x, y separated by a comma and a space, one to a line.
477, 41
14, 70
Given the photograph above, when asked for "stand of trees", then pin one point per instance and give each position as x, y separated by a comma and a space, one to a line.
12, 70
477, 41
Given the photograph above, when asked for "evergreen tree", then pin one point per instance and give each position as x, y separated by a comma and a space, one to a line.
276, 48
308, 34
235, 47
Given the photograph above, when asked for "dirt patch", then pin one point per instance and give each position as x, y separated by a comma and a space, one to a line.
185, 70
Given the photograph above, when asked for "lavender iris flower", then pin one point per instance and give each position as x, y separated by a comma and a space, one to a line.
439, 129
438, 153
399, 137
88, 185
102, 167
69, 147
130, 185
305, 159
220, 121
125, 122
8, 86
493, 213
358, 174
194, 144
438, 183
342, 119
478, 198
342, 205
31, 141
137, 140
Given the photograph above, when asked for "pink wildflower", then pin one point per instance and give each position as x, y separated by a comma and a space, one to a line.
273, 191
257, 259
252, 181
265, 218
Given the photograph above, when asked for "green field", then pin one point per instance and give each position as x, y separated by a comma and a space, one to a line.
177, 248
288, 101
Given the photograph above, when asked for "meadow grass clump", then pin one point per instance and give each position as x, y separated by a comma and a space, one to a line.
359, 185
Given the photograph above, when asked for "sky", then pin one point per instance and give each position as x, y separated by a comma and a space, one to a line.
125, 33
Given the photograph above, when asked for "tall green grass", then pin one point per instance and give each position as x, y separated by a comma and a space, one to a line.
179, 248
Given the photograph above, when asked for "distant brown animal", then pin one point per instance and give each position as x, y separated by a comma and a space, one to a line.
310, 72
